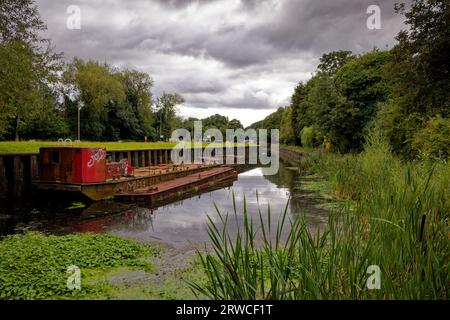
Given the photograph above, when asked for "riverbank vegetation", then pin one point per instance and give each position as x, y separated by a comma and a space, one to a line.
397, 220
376, 128
34, 266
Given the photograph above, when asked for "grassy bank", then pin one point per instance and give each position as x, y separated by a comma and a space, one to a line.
33, 146
26, 147
397, 221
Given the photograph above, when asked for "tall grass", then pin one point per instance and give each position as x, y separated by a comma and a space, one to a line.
400, 224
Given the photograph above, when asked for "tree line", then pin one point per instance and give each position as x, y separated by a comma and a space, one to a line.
402, 93
42, 97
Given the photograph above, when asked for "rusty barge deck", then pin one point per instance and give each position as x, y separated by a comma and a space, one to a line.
142, 178
177, 188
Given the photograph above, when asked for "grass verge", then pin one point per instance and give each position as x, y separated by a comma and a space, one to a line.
32, 147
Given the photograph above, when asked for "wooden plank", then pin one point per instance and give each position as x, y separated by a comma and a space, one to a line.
149, 158
18, 182
166, 156
34, 168
142, 156
3, 182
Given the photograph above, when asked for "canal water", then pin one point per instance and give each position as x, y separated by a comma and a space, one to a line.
176, 224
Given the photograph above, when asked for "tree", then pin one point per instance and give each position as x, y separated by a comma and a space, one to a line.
94, 87
216, 121
296, 100
419, 70
116, 104
166, 110
24, 89
49, 124
133, 117
221, 123
286, 131
305, 108
20, 20
362, 84
272, 121
28, 65
331, 62
338, 108
188, 124
17, 78
235, 124
327, 111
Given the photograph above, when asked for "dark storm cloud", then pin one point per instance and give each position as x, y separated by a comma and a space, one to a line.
179, 4
194, 84
253, 4
298, 26
220, 53
322, 26
294, 26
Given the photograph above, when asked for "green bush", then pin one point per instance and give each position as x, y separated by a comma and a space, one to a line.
309, 137
433, 141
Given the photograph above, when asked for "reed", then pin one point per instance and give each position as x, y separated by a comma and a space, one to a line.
400, 223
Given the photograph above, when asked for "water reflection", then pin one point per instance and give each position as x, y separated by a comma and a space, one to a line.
183, 221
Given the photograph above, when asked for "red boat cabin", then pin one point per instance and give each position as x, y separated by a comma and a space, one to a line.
72, 164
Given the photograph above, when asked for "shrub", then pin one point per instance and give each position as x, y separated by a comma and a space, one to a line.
433, 141
308, 137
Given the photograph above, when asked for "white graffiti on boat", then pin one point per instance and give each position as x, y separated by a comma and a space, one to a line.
96, 156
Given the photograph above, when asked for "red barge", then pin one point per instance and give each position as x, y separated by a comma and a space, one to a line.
88, 171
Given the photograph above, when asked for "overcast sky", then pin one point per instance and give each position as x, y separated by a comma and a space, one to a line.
239, 58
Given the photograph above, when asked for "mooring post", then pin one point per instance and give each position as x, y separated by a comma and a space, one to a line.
135, 156
247, 154
34, 168
18, 176
149, 158
141, 159
145, 157
3, 183
167, 156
